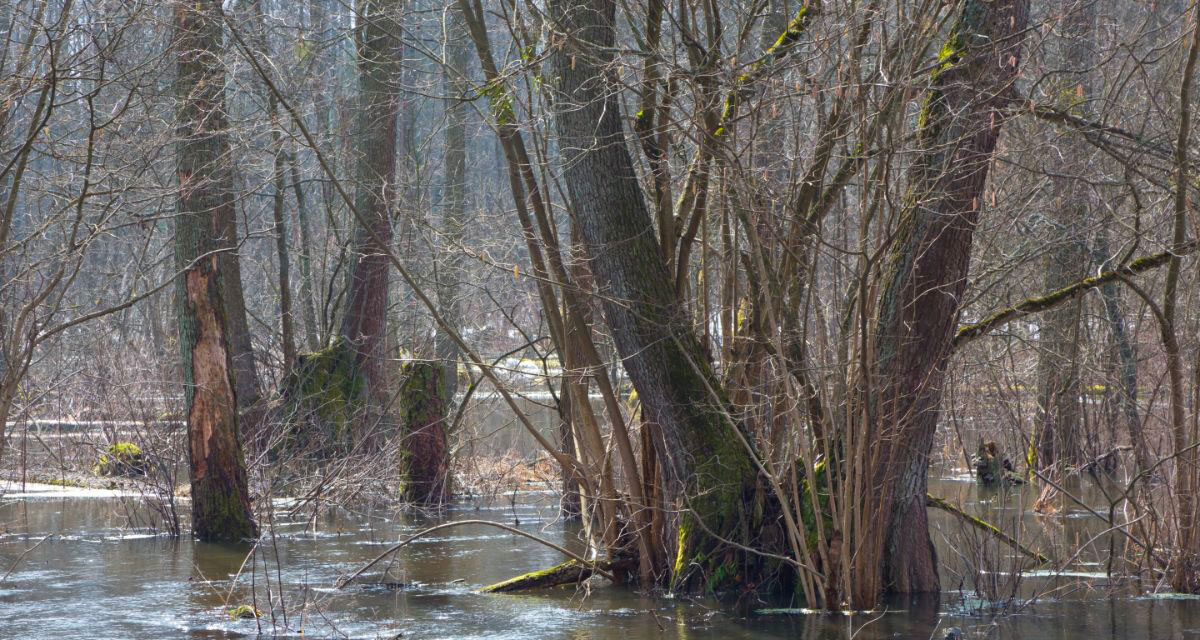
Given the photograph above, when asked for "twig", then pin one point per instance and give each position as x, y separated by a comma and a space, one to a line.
22, 556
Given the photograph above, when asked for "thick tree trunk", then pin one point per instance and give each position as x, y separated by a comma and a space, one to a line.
424, 455
1059, 436
308, 299
708, 469
364, 325
927, 273
220, 497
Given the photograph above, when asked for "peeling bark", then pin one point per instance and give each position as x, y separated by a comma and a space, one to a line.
220, 497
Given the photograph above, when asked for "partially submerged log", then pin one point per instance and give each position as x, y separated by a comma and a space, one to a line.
570, 572
985, 527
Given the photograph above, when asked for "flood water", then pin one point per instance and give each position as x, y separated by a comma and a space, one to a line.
98, 578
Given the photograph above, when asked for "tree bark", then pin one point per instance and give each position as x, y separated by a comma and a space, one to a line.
424, 455
454, 207
1059, 420
707, 467
959, 124
364, 325
220, 497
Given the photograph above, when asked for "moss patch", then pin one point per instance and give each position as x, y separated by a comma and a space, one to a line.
324, 395
121, 459
244, 612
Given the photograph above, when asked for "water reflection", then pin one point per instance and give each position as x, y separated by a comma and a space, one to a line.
98, 579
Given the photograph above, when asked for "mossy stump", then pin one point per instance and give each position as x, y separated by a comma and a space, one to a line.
324, 396
424, 458
121, 459
992, 468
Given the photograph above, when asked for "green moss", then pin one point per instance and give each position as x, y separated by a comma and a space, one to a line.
422, 406
244, 612
121, 459
326, 389
569, 572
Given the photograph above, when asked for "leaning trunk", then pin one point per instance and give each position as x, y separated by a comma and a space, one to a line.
959, 124
706, 461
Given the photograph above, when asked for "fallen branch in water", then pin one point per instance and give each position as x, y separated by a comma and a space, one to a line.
986, 527
593, 566
569, 572
22, 557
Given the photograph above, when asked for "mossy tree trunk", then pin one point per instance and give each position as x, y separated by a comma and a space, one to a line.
424, 454
220, 497
364, 324
959, 124
707, 468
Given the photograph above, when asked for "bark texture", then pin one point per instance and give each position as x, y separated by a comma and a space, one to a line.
454, 206
707, 468
959, 125
1059, 437
424, 455
220, 497
364, 324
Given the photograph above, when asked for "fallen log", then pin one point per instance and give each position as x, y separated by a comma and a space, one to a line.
569, 572
986, 527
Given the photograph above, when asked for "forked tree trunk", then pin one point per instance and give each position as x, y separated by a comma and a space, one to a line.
364, 324
220, 497
708, 469
959, 124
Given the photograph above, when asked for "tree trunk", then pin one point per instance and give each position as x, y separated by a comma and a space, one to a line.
1059, 437
279, 198
424, 455
707, 467
220, 497
308, 299
364, 325
959, 124
454, 207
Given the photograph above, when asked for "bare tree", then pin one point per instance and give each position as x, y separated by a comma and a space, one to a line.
220, 497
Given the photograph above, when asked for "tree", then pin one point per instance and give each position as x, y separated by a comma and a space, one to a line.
220, 496
1059, 439
364, 323
709, 470
962, 114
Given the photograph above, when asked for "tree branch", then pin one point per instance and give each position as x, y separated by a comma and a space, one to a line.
1051, 300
